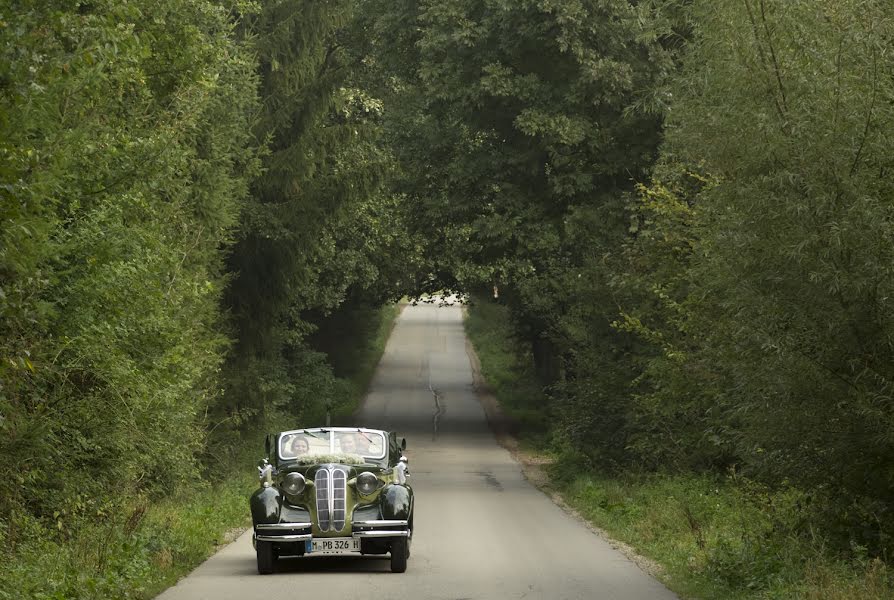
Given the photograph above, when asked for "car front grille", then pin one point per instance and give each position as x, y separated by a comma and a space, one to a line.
331, 487
321, 483
339, 481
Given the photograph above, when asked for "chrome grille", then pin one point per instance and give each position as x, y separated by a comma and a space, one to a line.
339, 482
321, 483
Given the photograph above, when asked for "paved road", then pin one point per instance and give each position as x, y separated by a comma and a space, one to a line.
482, 531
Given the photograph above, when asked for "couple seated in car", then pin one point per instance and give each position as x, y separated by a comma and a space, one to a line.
349, 443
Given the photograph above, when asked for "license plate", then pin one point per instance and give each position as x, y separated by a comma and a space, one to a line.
332, 545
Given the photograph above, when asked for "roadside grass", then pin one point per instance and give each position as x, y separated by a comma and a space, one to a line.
710, 537
506, 368
135, 555
142, 547
722, 537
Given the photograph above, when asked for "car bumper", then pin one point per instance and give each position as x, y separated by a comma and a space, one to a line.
301, 532
283, 532
380, 529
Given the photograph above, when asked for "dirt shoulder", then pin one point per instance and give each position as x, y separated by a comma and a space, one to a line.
534, 465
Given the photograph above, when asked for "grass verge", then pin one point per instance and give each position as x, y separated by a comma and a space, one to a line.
144, 549
506, 370
717, 537
365, 360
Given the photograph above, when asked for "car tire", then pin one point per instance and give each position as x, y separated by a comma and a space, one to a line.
266, 557
400, 551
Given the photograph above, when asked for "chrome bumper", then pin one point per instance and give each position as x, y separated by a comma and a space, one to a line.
381, 533
283, 532
380, 529
284, 538
301, 532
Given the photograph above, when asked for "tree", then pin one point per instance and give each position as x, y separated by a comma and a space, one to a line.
784, 104
319, 223
127, 152
518, 133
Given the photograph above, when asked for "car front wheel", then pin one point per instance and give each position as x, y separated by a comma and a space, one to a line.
266, 557
400, 550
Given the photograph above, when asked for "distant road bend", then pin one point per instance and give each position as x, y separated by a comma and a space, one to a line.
481, 530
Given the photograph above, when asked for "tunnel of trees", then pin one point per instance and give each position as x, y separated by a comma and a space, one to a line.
686, 206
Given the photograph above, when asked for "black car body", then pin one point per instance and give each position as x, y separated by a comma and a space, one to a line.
333, 490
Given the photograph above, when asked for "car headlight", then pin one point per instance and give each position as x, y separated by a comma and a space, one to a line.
367, 483
293, 484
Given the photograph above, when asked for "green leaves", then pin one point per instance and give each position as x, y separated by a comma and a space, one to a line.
128, 155
319, 227
712, 297
516, 114
770, 276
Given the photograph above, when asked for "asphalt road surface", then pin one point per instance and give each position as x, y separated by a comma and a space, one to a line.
481, 530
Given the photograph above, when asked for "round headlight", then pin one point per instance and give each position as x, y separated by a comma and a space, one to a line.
293, 484
367, 483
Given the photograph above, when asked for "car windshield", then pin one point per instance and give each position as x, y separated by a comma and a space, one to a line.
311, 444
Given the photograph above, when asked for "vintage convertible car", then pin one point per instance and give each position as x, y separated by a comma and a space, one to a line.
333, 490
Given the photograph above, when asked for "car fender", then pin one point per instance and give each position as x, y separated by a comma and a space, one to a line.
397, 502
266, 504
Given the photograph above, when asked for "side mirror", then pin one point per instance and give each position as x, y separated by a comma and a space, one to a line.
403, 443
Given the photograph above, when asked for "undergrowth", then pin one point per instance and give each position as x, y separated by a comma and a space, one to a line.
722, 537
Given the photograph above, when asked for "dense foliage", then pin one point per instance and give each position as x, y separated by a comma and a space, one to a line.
518, 117
529, 123
320, 229
126, 153
775, 315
